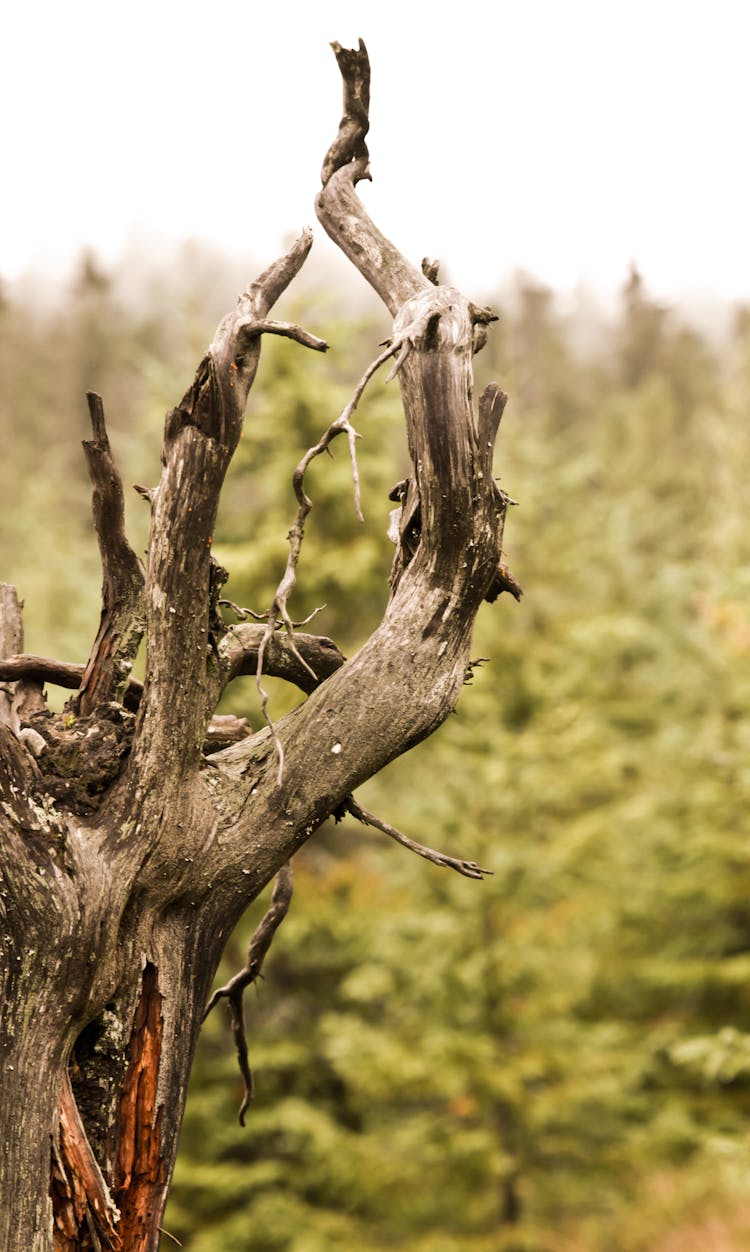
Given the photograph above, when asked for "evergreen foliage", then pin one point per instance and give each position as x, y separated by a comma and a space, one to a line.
558, 1058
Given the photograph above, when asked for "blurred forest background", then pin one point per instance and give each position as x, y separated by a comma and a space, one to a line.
557, 1059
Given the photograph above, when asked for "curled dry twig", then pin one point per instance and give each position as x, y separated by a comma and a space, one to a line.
243, 614
278, 613
233, 991
399, 347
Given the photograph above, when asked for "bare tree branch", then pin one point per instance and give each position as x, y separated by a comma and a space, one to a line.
234, 990
66, 674
243, 614
23, 694
279, 608
349, 144
252, 328
223, 730
240, 647
469, 869
339, 208
239, 654
492, 404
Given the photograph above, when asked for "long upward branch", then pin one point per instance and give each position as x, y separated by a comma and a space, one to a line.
408, 676
339, 208
200, 437
123, 616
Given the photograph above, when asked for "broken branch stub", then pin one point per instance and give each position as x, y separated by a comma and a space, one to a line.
21, 695
201, 435
122, 622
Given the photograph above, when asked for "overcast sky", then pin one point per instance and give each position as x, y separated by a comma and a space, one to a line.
564, 137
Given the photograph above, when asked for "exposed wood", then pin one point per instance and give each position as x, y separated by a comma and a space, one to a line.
140, 1167
82, 1204
469, 869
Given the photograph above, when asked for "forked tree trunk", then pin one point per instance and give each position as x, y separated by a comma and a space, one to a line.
128, 852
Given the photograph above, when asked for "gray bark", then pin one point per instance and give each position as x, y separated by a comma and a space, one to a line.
128, 853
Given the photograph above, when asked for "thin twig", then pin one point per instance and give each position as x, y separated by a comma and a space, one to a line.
306, 620
233, 991
469, 869
404, 350
278, 612
169, 1235
243, 614
239, 612
400, 347
239, 655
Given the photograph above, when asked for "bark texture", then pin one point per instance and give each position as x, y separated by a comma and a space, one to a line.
130, 844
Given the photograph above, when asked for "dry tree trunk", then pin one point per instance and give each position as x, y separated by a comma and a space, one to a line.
129, 846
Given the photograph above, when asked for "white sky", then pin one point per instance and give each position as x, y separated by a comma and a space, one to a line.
565, 138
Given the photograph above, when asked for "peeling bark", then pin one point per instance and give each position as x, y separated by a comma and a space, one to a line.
83, 1208
136, 828
139, 1168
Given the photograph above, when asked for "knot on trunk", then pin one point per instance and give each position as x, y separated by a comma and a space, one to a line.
82, 756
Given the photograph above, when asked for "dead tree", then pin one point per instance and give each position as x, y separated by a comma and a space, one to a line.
130, 844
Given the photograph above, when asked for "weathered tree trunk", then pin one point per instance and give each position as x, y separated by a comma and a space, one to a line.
128, 852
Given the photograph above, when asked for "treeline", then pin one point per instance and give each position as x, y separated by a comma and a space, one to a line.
557, 1059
